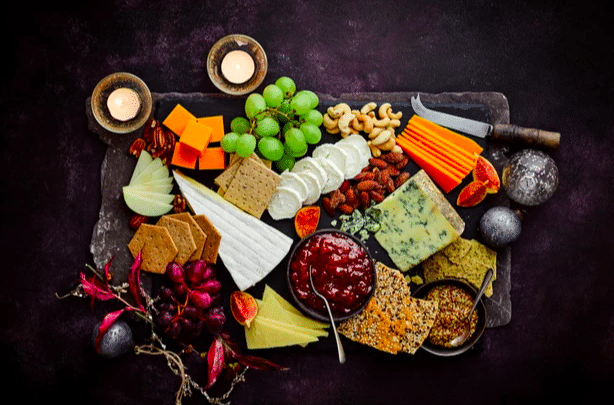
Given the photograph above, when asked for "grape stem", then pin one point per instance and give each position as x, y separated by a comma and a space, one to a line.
254, 120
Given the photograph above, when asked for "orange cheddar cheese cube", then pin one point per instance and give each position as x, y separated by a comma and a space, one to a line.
178, 118
184, 156
212, 159
196, 136
216, 123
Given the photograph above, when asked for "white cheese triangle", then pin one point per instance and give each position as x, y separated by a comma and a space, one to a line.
249, 247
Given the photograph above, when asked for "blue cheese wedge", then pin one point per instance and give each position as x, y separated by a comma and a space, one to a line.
416, 222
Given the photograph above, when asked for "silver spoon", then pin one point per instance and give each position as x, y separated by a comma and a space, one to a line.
462, 338
330, 316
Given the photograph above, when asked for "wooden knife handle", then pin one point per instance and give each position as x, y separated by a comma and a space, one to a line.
529, 136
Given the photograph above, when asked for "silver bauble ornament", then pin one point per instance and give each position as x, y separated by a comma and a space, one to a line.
116, 341
500, 226
530, 177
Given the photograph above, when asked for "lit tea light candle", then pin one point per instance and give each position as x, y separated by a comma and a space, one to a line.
123, 104
238, 66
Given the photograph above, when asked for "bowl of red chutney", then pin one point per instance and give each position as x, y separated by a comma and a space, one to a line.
342, 270
455, 298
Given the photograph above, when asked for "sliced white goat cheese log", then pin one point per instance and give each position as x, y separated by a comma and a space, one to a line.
310, 165
353, 164
335, 176
284, 203
249, 248
313, 185
333, 153
361, 144
295, 182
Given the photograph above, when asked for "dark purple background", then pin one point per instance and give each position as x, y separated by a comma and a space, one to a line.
553, 61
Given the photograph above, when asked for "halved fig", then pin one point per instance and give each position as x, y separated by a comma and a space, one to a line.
473, 194
244, 307
485, 172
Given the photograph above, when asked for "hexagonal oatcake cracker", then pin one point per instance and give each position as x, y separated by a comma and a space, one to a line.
200, 237
182, 237
157, 246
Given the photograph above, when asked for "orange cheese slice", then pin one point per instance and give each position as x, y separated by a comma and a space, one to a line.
178, 118
212, 159
184, 156
196, 136
216, 123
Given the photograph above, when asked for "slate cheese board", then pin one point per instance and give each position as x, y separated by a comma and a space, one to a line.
111, 233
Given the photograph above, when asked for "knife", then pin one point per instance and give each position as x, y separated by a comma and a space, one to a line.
502, 132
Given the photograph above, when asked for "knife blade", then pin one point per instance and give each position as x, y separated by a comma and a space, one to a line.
502, 132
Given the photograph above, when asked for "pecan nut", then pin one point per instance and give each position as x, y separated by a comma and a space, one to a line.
136, 221
179, 204
137, 146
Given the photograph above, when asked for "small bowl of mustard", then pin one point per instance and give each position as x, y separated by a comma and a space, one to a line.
455, 298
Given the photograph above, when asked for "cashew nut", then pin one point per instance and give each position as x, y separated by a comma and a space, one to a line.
357, 125
397, 149
394, 123
395, 116
355, 112
333, 130
388, 145
339, 110
383, 110
382, 123
367, 108
344, 123
382, 138
367, 122
375, 132
329, 122
375, 151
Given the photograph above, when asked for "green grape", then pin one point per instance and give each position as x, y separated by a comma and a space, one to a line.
286, 85
285, 112
313, 97
295, 153
271, 148
239, 125
300, 103
295, 140
312, 133
267, 127
246, 145
288, 125
314, 117
254, 104
229, 142
273, 96
285, 163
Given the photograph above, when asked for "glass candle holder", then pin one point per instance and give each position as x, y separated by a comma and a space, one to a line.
237, 64
121, 103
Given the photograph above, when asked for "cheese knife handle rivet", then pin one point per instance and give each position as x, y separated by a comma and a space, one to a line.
529, 136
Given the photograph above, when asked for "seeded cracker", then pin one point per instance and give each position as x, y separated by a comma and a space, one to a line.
197, 233
466, 259
393, 321
252, 187
182, 236
157, 246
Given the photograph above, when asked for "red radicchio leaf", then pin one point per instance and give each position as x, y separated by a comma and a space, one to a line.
134, 280
258, 363
215, 361
95, 289
106, 323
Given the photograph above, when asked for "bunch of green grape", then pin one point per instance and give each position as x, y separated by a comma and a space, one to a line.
279, 124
